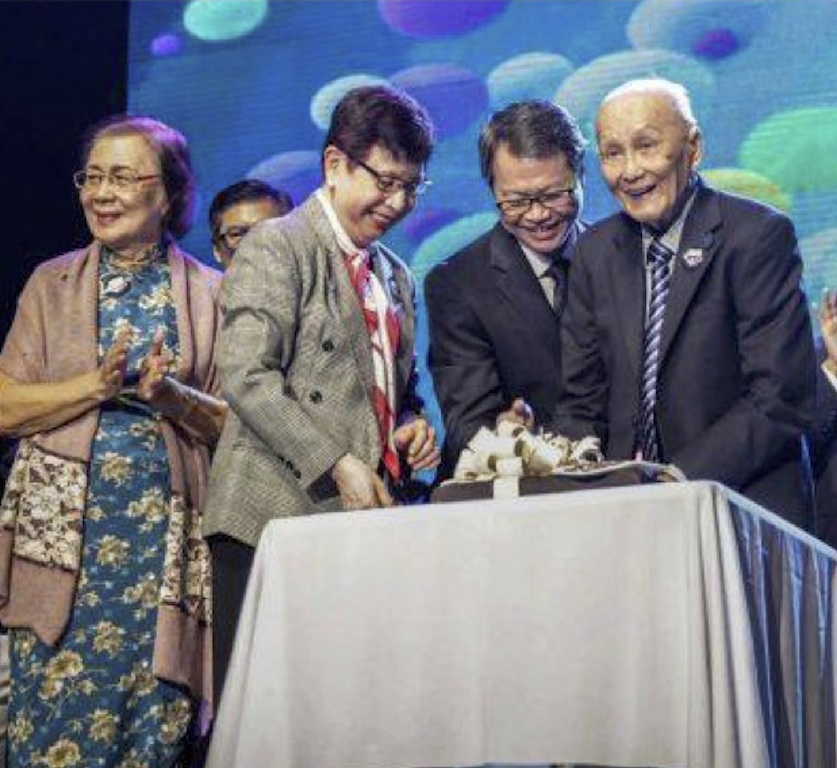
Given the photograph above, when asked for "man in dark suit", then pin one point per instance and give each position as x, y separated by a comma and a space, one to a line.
494, 308
686, 337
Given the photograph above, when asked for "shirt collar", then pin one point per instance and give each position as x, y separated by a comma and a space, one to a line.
539, 262
343, 239
671, 236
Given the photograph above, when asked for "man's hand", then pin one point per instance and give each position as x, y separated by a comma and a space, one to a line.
417, 441
359, 486
519, 413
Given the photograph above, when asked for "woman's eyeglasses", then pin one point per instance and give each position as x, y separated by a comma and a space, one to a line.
391, 185
123, 178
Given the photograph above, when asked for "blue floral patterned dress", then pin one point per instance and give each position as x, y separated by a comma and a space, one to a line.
92, 701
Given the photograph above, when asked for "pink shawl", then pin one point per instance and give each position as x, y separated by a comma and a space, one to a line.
54, 337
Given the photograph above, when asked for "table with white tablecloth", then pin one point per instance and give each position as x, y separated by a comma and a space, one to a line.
663, 625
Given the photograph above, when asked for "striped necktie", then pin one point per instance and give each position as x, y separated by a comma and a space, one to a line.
659, 259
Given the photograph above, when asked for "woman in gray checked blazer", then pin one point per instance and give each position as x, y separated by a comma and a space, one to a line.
316, 348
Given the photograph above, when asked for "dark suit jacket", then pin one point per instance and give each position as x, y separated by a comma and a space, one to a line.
737, 373
493, 337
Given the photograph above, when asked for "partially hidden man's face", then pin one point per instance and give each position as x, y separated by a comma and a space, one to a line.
236, 221
647, 153
544, 226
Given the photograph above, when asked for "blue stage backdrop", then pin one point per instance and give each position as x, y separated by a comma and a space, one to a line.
252, 83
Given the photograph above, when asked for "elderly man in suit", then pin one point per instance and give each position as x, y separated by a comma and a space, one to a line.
316, 348
494, 308
687, 337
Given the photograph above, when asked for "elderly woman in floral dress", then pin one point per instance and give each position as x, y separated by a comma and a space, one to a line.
108, 377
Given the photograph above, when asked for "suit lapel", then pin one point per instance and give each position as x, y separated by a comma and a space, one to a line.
627, 273
698, 246
398, 289
342, 294
517, 285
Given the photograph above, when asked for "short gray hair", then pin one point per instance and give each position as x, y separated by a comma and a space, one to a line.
675, 92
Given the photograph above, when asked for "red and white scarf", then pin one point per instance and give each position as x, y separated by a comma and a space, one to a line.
384, 332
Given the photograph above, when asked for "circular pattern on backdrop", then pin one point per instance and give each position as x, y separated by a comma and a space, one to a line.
819, 252
448, 240
422, 223
583, 90
795, 149
740, 181
534, 75
454, 96
325, 100
228, 20
708, 29
298, 173
166, 45
418, 19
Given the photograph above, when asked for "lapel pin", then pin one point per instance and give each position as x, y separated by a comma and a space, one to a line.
693, 257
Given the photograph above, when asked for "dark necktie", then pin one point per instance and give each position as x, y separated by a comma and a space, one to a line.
557, 270
659, 259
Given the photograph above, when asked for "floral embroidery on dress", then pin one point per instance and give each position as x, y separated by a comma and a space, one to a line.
44, 505
93, 700
186, 579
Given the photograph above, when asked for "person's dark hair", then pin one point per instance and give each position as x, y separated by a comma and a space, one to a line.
532, 129
246, 191
381, 114
175, 162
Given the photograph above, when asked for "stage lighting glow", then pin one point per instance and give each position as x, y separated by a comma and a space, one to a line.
166, 45
716, 44
740, 181
454, 96
820, 254
218, 20
709, 29
424, 222
325, 100
533, 75
795, 149
297, 172
582, 92
448, 240
420, 19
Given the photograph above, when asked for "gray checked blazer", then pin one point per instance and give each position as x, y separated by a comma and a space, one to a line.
295, 363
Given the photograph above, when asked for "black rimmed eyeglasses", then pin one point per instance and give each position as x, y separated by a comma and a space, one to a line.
552, 199
121, 178
391, 185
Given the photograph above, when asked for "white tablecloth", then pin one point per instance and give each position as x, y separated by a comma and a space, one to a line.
667, 625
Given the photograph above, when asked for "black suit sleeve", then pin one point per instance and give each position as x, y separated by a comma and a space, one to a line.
582, 410
461, 360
